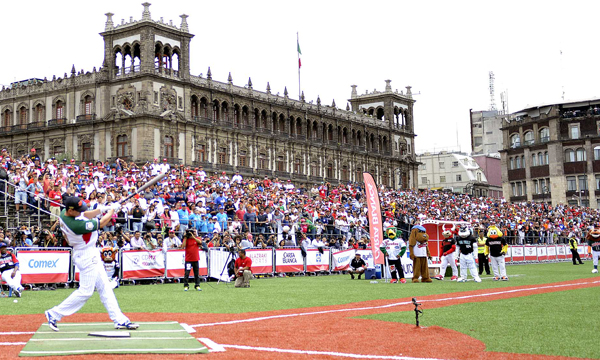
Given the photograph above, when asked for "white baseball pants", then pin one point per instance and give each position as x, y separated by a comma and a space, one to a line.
468, 262
595, 256
15, 282
448, 260
91, 276
498, 266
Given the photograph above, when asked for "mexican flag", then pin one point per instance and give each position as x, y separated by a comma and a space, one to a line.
299, 53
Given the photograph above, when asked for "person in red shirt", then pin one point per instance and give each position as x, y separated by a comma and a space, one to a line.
55, 200
243, 269
192, 256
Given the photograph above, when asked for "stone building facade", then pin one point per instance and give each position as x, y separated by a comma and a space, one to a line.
143, 103
552, 153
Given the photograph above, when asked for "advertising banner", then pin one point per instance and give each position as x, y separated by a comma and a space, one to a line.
518, 253
367, 256
342, 259
375, 218
262, 260
289, 260
141, 264
541, 253
551, 252
561, 252
44, 266
530, 253
315, 261
508, 256
176, 264
218, 259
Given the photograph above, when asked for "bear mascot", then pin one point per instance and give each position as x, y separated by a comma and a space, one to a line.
419, 253
111, 264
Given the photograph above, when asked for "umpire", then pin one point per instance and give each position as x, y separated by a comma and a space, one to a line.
192, 256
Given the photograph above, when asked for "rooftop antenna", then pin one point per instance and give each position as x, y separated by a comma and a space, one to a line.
491, 86
457, 142
504, 100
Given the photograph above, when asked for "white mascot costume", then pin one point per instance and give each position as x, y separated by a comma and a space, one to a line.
467, 246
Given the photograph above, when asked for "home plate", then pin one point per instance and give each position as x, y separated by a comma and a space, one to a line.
110, 334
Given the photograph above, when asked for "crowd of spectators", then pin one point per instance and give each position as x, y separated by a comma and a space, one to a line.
233, 211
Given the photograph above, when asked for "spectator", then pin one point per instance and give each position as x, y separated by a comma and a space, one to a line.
243, 270
137, 215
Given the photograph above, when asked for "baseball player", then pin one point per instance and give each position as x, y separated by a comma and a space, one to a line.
9, 267
80, 229
467, 246
593, 239
448, 248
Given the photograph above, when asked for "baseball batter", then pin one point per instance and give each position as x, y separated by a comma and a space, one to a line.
80, 229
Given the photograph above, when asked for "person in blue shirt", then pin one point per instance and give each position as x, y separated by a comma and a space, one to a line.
193, 219
210, 227
220, 200
202, 225
222, 218
184, 218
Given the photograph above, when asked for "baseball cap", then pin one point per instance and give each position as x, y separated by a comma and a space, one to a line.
75, 203
3, 244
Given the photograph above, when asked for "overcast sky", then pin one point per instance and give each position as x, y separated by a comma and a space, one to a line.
443, 49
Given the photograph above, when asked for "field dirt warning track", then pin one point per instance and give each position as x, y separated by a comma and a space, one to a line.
328, 332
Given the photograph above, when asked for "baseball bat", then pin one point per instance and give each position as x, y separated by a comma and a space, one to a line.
152, 181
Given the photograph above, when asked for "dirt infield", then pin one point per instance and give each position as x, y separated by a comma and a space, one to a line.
315, 333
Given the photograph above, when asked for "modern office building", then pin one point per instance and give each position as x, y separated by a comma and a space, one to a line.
486, 136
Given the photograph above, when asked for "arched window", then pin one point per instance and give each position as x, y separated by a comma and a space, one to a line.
215, 110
518, 162
569, 155
87, 105
544, 134
122, 146
580, 155
194, 107
6, 118
23, 116
528, 136
60, 110
523, 161
534, 160
515, 141
512, 163
546, 158
39, 113
540, 159
168, 147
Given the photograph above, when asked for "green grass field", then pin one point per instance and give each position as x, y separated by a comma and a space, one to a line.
560, 323
283, 293
554, 323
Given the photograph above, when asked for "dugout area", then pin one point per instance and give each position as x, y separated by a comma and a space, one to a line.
168, 337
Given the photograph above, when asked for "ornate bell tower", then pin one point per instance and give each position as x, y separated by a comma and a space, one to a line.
146, 46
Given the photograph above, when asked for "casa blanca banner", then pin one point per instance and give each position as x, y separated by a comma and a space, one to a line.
140, 264
289, 260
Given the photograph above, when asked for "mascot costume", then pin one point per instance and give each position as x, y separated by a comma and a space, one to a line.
467, 246
111, 264
419, 253
593, 239
496, 247
393, 247
447, 250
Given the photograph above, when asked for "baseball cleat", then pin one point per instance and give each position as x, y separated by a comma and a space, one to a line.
403, 281
128, 325
504, 278
51, 321
18, 292
595, 271
461, 280
478, 280
393, 281
439, 277
496, 278
454, 278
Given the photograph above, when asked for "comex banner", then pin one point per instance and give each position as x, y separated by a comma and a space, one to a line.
46, 266
140, 264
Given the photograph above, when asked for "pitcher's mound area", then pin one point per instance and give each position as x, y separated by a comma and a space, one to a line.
74, 339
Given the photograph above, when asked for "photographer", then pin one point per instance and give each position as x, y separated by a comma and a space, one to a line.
190, 244
137, 213
243, 270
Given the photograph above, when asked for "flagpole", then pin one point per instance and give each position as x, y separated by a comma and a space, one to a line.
297, 43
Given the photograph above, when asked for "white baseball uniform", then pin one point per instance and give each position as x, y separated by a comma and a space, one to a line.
82, 233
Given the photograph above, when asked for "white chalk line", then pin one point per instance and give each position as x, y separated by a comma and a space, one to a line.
17, 333
327, 353
12, 343
212, 346
262, 318
114, 339
104, 351
84, 332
